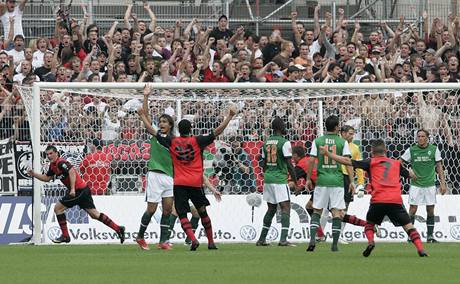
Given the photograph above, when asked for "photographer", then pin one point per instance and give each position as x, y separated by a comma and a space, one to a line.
232, 165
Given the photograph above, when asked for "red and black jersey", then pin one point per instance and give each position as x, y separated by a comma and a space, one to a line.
302, 169
60, 170
186, 154
384, 174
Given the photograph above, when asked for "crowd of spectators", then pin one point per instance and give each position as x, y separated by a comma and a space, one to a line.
143, 51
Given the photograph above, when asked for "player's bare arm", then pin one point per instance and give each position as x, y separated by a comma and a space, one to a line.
311, 164
208, 184
442, 178
147, 123
232, 110
293, 175
73, 177
41, 177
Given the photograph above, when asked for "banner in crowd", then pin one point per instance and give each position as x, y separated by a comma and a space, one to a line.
235, 221
15, 219
7, 168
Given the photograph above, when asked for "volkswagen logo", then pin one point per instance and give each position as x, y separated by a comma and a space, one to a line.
455, 232
248, 233
54, 233
272, 234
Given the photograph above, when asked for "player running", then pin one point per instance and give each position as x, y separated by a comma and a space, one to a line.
78, 194
329, 190
384, 175
425, 160
186, 152
159, 177
276, 154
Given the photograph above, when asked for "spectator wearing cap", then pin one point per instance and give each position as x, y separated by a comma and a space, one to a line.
8, 10
307, 75
294, 73
431, 59
18, 51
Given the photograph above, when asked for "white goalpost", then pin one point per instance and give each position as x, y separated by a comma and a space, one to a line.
74, 115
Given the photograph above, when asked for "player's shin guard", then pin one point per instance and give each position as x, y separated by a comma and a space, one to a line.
352, 219
145, 220
206, 222
336, 229
429, 226
107, 221
267, 223
314, 224
285, 218
369, 232
415, 238
63, 224
164, 228
187, 227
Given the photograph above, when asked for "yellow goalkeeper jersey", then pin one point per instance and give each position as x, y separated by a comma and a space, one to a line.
355, 155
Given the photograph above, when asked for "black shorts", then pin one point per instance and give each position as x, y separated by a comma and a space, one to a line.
348, 196
82, 198
182, 194
396, 212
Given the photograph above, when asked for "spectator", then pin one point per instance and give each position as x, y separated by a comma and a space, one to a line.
10, 10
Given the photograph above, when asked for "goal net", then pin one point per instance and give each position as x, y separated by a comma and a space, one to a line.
97, 129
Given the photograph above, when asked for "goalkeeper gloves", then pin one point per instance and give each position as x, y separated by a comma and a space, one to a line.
360, 190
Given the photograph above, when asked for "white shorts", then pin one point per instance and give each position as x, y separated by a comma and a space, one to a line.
276, 193
422, 195
159, 186
329, 197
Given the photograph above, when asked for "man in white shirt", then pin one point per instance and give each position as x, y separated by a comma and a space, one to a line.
18, 51
9, 9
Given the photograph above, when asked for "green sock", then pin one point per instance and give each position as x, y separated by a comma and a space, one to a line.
164, 228
314, 224
336, 229
172, 222
285, 218
430, 226
145, 220
267, 223
412, 219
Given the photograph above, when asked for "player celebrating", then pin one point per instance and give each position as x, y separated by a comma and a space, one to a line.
276, 154
329, 184
426, 161
78, 194
386, 197
186, 153
159, 178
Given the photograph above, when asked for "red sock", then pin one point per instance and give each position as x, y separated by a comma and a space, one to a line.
106, 220
63, 224
319, 232
187, 227
415, 238
352, 219
208, 228
369, 232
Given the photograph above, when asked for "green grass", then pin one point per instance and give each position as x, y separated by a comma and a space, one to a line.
232, 263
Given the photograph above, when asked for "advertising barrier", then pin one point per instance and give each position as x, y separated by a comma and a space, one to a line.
15, 219
235, 221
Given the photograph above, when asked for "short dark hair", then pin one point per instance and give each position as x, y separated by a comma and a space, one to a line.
378, 147
346, 128
299, 151
51, 148
223, 17
424, 131
278, 125
185, 127
169, 119
332, 122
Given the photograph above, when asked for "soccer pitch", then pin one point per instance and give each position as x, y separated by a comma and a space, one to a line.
232, 263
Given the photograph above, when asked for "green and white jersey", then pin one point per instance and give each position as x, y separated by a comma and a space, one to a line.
160, 158
423, 162
330, 171
275, 150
